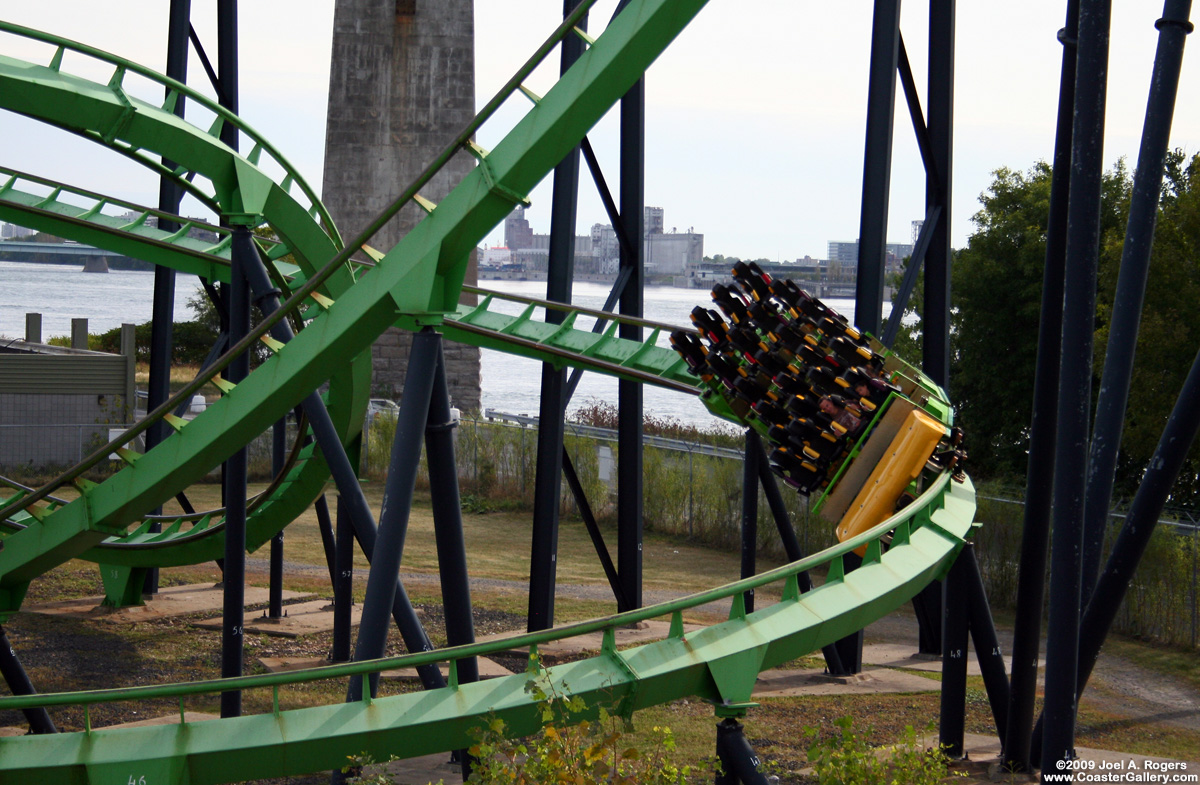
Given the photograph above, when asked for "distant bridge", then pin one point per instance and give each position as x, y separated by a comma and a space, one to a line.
91, 257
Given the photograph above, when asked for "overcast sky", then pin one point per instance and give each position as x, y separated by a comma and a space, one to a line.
754, 117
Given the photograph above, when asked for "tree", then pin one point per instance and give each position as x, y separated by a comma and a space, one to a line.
1170, 328
996, 291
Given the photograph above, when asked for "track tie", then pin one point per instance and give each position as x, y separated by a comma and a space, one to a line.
214, 130
175, 422
737, 607
374, 253
587, 39
272, 344
83, 485
51, 199
676, 631
424, 203
476, 150
136, 223
129, 456
322, 300
37, 513
223, 384
532, 96
220, 246
177, 236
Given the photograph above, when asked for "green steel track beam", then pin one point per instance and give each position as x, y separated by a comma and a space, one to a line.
719, 663
417, 281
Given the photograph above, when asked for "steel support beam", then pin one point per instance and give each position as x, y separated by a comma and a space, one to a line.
953, 715
447, 522
936, 312
343, 584
739, 763
158, 387
985, 642
346, 481
397, 502
1161, 472
1039, 476
19, 684
1075, 382
227, 65
629, 394
791, 546
243, 256
877, 165
552, 402
1113, 395
275, 587
938, 193
750, 461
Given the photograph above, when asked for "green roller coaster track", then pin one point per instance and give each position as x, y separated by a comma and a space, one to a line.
343, 305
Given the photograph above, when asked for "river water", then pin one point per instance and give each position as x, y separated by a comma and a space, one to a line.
510, 383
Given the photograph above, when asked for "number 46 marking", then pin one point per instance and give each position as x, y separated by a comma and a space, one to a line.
139, 781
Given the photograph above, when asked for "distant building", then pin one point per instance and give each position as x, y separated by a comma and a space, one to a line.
12, 231
494, 257
845, 254
670, 254
653, 220
599, 251
517, 233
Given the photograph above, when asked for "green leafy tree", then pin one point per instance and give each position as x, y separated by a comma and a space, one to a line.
1170, 327
996, 291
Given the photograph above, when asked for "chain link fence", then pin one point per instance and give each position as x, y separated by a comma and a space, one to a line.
1161, 604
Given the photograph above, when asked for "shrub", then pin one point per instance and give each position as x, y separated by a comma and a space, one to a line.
847, 759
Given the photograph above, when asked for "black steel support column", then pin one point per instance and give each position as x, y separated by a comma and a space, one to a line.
877, 165
984, 641
19, 684
938, 179
1173, 446
936, 359
787, 535
952, 725
629, 394
1039, 478
397, 501
447, 522
234, 581
278, 458
227, 65
346, 481
1075, 382
158, 387
1113, 395
343, 584
325, 527
552, 405
739, 763
750, 461
593, 530
849, 649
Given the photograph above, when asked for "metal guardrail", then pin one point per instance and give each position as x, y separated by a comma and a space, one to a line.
610, 435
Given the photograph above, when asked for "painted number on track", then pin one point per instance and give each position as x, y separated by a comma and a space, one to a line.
136, 780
